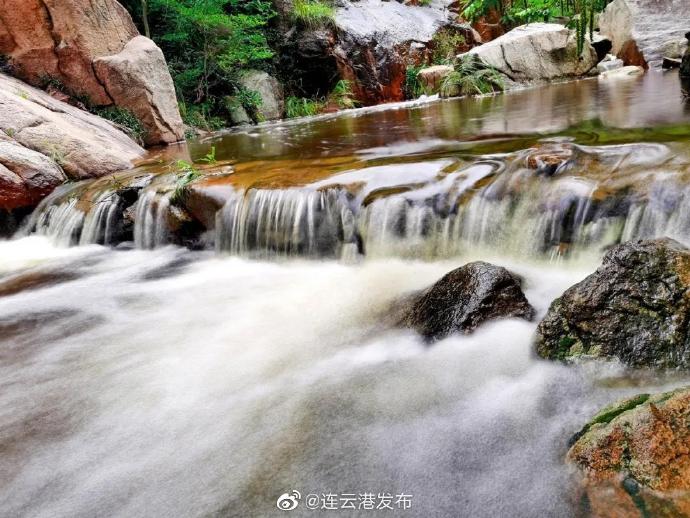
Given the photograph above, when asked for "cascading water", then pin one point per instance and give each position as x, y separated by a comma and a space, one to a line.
170, 382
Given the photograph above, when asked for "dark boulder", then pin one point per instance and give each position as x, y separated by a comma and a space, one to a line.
635, 307
685, 64
465, 298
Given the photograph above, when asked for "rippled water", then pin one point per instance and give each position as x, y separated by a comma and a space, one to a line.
159, 381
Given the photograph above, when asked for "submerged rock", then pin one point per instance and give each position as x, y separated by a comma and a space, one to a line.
464, 299
635, 456
538, 51
635, 307
622, 73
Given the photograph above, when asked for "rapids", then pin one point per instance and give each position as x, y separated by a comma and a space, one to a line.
151, 380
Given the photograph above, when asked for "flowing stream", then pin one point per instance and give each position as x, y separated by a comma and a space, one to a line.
147, 379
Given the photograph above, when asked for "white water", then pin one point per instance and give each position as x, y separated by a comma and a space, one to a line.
150, 386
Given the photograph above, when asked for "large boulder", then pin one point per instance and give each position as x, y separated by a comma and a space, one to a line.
369, 43
635, 307
465, 298
536, 52
640, 30
635, 456
60, 41
138, 78
271, 91
26, 176
82, 144
61, 38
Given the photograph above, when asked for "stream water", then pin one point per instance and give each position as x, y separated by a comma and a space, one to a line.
150, 380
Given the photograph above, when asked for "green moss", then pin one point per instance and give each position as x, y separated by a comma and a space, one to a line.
609, 413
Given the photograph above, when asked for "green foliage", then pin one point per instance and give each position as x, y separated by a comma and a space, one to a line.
471, 76
412, 88
125, 119
210, 157
200, 116
207, 43
313, 13
186, 174
445, 45
302, 107
518, 12
342, 95
425, 3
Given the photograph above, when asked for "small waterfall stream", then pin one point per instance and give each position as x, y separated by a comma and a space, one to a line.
595, 197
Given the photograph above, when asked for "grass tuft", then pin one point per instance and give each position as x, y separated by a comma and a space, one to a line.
313, 13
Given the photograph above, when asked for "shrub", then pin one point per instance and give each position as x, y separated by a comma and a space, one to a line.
302, 107
412, 87
342, 95
186, 174
125, 120
445, 45
471, 76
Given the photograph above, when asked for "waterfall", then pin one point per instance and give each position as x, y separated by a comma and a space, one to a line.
597, 197
290, 222
68, 218
88, 212
151, 226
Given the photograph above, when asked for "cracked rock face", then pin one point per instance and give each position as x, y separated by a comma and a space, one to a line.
635, 457
635, 307
464, 299
538, 52
81, 144
62, 40
26, 176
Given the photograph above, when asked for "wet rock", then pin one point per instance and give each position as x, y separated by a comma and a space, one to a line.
674, 48
602, 45
33, 280
62, 40
631, 55
271, 92
464, 299
83, 145
669, 63
610, 62
26, 176
538, 51
635, 307
622, 73
635, 456
432, 77
137, 79
685, 64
